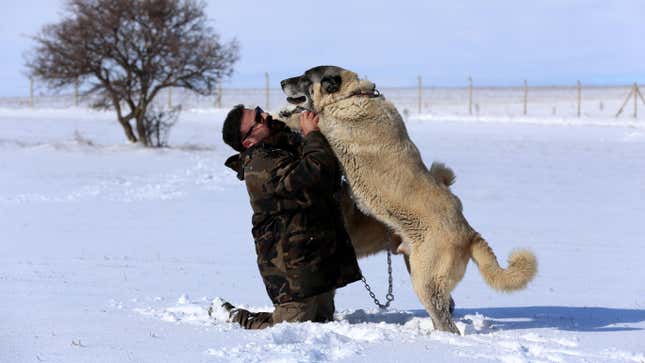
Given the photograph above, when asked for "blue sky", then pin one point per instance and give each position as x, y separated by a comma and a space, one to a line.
498, 42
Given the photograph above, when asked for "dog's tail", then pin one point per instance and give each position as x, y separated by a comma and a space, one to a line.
442, 174
522, 266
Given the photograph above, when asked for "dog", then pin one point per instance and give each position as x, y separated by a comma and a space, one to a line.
389, 182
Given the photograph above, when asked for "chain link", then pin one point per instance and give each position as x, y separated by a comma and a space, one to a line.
389, 297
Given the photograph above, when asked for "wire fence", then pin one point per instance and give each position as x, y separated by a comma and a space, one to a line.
524, 101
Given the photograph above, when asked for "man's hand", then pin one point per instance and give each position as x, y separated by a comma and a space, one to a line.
309, 122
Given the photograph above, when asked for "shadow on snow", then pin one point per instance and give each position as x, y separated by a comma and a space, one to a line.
587, 319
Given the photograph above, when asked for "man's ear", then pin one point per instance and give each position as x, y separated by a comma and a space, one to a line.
331, 84
248, 143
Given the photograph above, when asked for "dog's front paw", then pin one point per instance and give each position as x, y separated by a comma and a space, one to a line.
288, 111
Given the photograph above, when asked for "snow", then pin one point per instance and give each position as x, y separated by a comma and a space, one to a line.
113, 253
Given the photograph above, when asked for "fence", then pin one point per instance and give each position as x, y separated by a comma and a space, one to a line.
523, 101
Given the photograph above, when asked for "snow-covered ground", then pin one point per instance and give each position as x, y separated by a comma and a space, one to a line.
112, 253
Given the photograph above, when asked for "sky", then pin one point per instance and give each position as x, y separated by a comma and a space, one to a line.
497, 42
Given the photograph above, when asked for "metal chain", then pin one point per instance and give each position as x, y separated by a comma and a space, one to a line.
389, 297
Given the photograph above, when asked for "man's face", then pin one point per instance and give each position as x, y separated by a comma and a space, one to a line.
254, 130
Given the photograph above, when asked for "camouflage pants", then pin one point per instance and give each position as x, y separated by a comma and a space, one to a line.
319, 309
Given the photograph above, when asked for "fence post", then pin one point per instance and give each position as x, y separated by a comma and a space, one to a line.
76, 93
470, 95
266, 89
419, 95
218, 99
629, 95
579, 97
638, 91
526, 96
31, 92
635, 100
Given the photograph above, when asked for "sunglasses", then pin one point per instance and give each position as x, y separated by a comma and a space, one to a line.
258, 120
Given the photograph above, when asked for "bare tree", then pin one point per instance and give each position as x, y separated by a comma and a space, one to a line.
126, 51
158, 123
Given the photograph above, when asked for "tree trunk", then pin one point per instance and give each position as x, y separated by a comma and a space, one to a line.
127, 128
141, 129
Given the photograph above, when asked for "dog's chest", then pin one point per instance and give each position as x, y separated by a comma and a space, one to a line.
355, 171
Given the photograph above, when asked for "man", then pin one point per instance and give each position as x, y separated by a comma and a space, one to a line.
303, 250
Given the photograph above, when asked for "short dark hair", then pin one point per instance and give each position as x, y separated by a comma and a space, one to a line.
231, 130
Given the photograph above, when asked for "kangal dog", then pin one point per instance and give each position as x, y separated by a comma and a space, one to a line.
389, 181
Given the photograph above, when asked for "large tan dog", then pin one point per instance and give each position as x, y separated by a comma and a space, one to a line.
390, 182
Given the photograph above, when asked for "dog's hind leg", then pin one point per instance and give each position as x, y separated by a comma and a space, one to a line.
431, 282
406, 259
436, 300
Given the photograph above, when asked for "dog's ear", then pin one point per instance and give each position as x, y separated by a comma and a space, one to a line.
331, 84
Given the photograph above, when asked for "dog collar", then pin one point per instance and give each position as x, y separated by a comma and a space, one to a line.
371, 94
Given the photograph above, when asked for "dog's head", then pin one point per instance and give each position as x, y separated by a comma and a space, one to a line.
322, 85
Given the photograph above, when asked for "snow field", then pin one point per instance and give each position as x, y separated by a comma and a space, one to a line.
110, 252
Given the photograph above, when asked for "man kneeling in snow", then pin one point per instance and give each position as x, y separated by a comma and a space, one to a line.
303, 250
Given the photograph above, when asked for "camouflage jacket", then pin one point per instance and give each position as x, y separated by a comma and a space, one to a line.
302, 246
